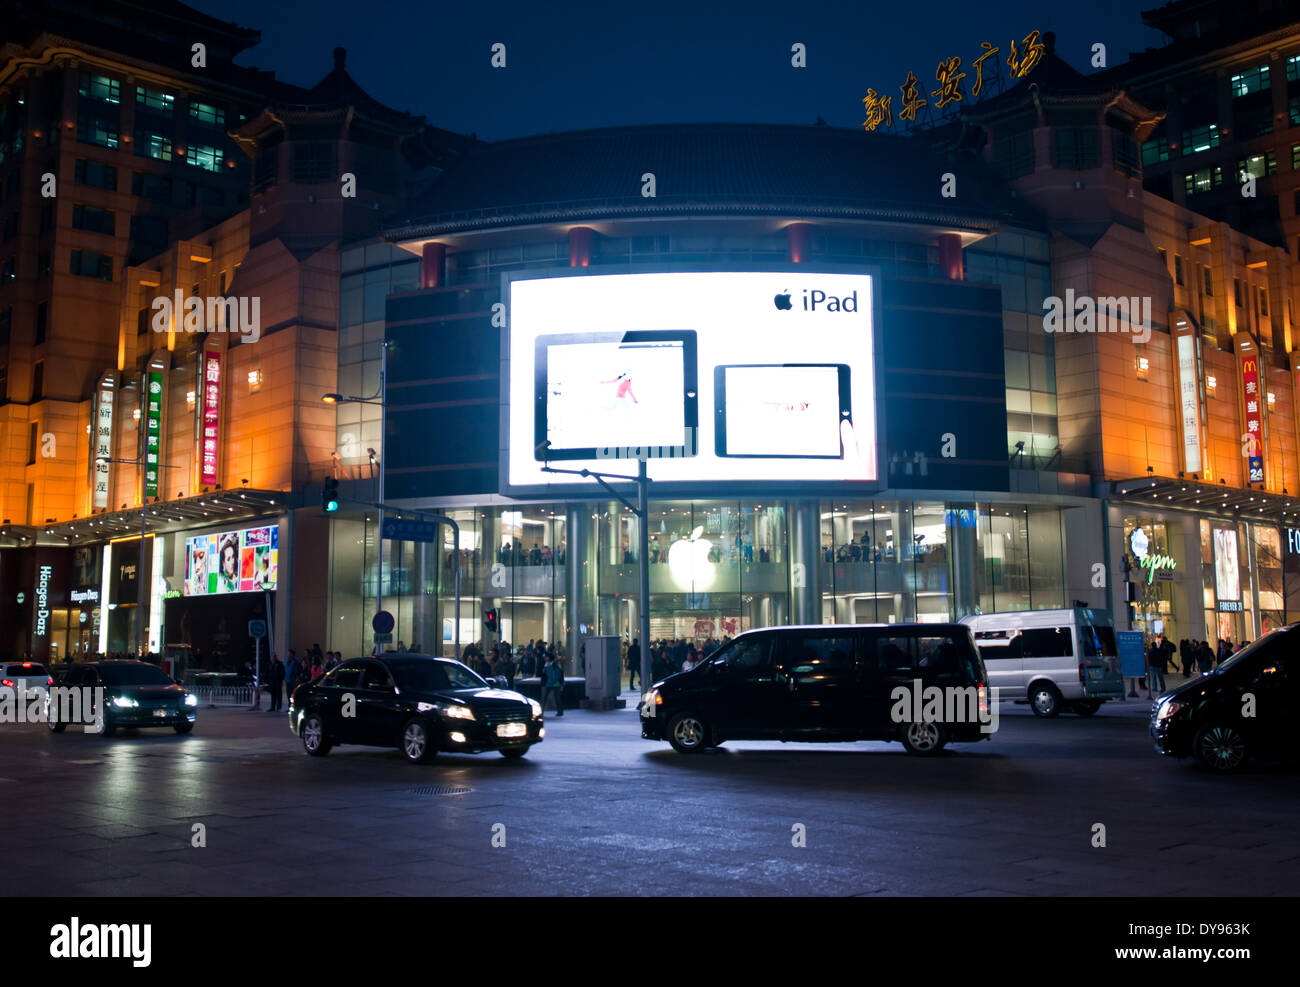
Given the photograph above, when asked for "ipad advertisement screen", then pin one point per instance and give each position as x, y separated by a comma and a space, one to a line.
720, 376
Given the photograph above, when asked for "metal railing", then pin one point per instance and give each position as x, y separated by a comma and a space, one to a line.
224, 695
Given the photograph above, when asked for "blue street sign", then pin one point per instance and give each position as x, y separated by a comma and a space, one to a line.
407, 529
1132, 658
257, 628
383, 622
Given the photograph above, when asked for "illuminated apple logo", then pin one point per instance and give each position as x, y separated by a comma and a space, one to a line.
688, 561
782, 302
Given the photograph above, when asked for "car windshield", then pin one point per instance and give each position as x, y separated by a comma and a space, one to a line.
433, 675
23, 670
133, 675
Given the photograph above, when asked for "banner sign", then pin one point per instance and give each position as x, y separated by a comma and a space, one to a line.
232, 561
1250, 393
102, 442
153, 432
211, 417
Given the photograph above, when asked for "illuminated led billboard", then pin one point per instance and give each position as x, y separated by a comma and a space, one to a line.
720, 376
232, 562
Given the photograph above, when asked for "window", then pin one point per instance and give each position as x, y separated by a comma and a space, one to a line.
1200, 139
1154, 151
206, 157
153, 99
1293, 110
92, 219
1293, 68
101, 88
1236, 292
1250, 81
888, 655
98, 125
1178, 270
1164, 257
42, 321
313, 161
375, 676
38, 382
150, 144
1125, 154
1263, 301
1253, 120
1047, 642
33, 437
344, 677
1295, 157
153, 187
89, 264
142, 321
213, 116
1207, 281
105, 176
813, 658
148, 235
1076, 148
1202, 181
1257, 165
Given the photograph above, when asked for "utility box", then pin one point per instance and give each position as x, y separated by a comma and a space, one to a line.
604, 671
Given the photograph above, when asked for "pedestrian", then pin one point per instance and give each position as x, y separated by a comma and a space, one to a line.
1157, 664
633, 662
508, 669
553, 685
1206, 660
292, 669
275, 680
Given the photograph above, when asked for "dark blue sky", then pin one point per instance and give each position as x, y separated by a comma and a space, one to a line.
602, 63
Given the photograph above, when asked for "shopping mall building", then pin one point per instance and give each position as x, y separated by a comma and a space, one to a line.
867, 366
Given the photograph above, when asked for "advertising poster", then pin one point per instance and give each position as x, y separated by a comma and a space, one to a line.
1227, 569
244, 561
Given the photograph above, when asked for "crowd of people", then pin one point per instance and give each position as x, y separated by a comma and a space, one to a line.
1197, 658
668, 657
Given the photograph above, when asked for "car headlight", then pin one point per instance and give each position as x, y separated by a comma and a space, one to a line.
124, 702
458, 712
1169, 708
191, 699
425, 707
536, 707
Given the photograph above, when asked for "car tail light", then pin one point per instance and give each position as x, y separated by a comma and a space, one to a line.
1080, 673
27, 664
7, 683
50, 680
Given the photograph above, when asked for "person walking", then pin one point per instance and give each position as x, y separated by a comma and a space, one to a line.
633, 662
275, 680
553, 684
1157, 665
292, 669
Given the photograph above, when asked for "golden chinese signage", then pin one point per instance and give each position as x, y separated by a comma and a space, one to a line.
1023, 58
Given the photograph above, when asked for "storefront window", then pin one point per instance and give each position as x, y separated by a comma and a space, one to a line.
1155, 582
1226, 583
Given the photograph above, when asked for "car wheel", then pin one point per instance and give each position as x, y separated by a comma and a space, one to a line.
514, 753
1044, 700
183, 727
1220, 748
687, 733
417, 745
1086, 707
56, 727
314, 741
923, 738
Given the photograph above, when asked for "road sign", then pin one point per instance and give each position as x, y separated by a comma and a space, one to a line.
409, 529
383, 622
1131, 656
383, 638
257, 628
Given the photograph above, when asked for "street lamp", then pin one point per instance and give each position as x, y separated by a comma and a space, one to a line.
138, 462
380, 397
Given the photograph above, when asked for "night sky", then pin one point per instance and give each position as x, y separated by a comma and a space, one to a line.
595, 64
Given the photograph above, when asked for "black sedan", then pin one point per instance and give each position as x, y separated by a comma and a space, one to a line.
113, 694
416, 703
1246, 708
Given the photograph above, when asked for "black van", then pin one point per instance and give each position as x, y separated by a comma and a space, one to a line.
921, 684
1247, 707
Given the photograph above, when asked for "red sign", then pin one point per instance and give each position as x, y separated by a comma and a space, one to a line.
211, 416
1251, 399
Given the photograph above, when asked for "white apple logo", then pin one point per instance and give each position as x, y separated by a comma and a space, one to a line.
688, 560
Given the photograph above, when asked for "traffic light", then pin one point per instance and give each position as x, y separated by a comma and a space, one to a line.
329, 498
490, 619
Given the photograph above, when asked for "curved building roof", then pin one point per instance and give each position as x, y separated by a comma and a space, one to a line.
705, 169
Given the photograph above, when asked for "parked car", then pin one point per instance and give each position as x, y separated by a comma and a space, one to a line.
27, 679
823, 683
1050, 659
1246, 708
417, 703
136, 694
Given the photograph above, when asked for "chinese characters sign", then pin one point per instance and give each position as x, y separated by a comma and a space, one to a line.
1189, 401
211, 417
1250, 395
103, 442
1022, 59
152, 432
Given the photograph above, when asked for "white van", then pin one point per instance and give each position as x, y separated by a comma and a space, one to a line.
1051, 659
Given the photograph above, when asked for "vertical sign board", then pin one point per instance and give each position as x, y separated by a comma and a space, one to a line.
211, 417
153, 432
102, 441
1252, 400
1189, 390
